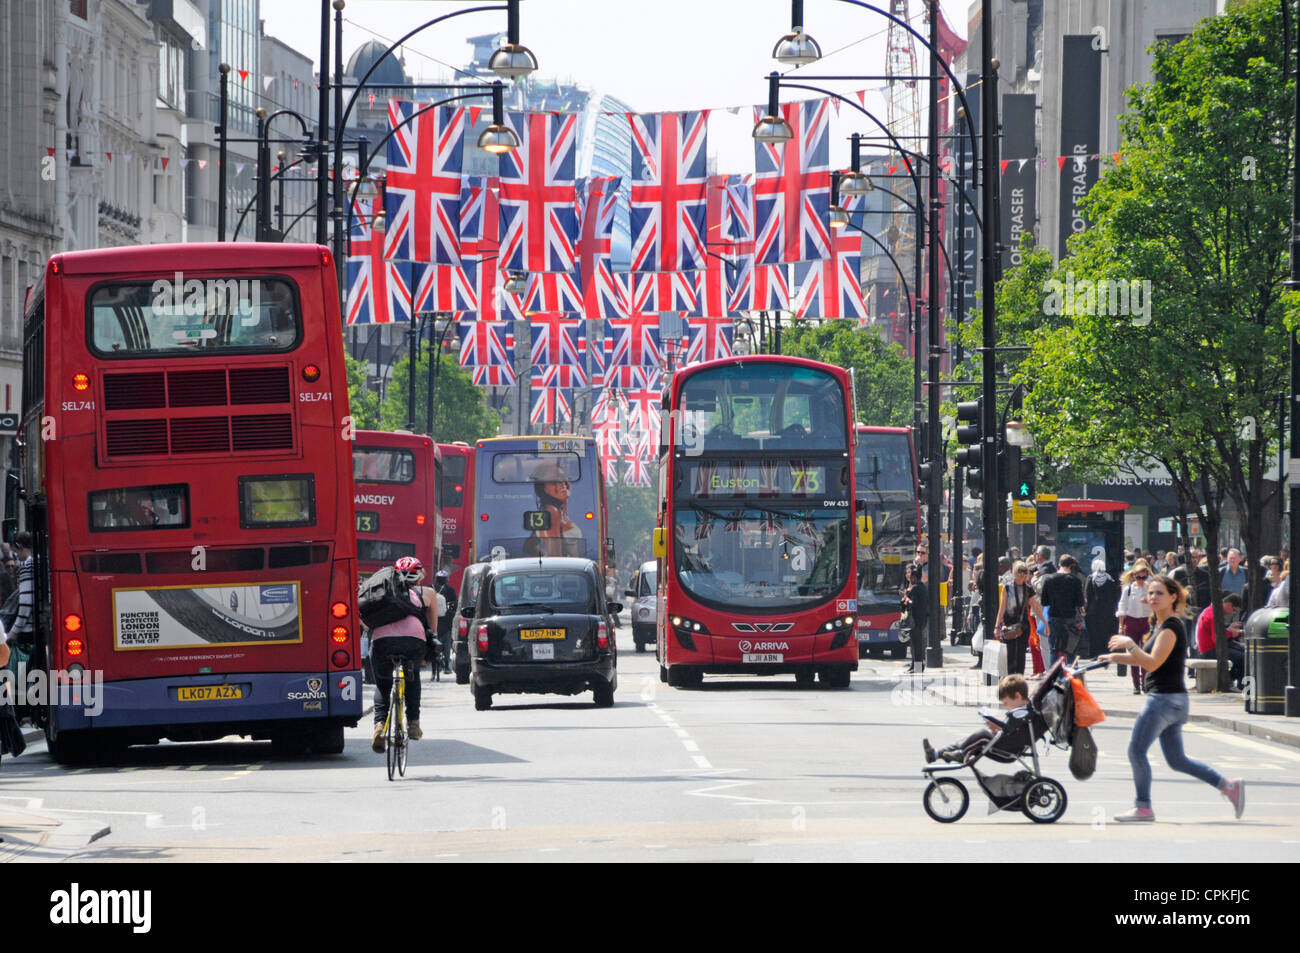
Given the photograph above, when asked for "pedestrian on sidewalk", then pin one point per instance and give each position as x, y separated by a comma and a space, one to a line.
1100, 597
1163, 659
1015, 609
1132, 610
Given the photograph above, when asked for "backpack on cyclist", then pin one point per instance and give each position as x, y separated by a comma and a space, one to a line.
383, 598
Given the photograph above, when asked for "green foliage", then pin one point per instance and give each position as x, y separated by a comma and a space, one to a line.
1196, 207
632, 512
362, 401
460, 411
883, 373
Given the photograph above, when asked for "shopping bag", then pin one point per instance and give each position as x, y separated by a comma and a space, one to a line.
1086, 710
977, 640
995, 659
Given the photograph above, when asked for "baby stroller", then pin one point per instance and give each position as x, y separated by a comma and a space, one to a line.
1049, 716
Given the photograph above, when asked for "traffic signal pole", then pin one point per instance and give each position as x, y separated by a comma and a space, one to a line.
988, 410
934, 644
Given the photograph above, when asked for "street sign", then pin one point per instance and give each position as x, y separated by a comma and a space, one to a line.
1023, 514
1046, 497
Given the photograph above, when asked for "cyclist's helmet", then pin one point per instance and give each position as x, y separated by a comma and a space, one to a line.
409, 567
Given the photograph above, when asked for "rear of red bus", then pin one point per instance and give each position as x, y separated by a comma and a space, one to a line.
886, 490
456, 505
187, 476
395, 477
758, 558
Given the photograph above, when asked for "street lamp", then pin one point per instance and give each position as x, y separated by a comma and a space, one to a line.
512, 59
498, 138
772, 129
837, 217
516, 282
797, 48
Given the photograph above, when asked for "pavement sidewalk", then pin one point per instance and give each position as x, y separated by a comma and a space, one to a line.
958, 684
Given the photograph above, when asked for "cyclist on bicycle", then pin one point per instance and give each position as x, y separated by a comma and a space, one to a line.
445, 615
404, 642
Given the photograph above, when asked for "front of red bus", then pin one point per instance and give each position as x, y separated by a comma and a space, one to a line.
759, 565
197, 516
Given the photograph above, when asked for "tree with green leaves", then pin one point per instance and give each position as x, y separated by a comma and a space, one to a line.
882, 371
460, 411
362, 401
1190, 226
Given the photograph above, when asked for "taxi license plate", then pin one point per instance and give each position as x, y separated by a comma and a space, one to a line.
529, 635
209, 693
762, 657
544, 652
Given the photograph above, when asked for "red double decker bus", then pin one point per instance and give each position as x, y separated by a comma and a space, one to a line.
186, 471
885, 487
456, 504
756, 532
396, 476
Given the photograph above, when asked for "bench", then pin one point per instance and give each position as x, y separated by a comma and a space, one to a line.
1206, 673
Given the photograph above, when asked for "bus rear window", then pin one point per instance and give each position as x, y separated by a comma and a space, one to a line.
277, 501
524, 467
383, 465
383, 551
176, 316
140, 507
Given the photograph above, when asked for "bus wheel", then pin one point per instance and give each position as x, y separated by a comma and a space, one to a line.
805, 677
682, 676
838, 677
898, 651
67, 747
328, 740
289, 744
663, 674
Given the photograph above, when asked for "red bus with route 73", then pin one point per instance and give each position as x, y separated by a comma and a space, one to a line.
456, 505
396, 476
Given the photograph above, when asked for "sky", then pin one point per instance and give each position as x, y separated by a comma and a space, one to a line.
655, 56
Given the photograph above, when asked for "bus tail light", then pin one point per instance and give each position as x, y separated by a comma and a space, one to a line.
340, 634
72, 622
311, 373
81, 382
341, 659
75, 647
419, 519
482, 638
602, 637
339, 610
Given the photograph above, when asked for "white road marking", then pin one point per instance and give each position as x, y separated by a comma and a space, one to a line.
690, 745
702, 762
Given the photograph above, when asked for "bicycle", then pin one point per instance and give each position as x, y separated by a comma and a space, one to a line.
395, 729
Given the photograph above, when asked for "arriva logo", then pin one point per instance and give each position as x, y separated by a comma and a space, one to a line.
747, 646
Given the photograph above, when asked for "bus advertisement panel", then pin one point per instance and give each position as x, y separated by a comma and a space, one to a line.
885, 484
191, 503
455, 503
396, 478
757, 532
539, 496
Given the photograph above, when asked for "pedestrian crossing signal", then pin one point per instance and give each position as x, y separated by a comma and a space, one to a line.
1025, 485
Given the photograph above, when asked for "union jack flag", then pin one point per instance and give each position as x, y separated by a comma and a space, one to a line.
489, 348
636, 341
664, 291
442, 288
759, 288
559, 342
736, 224
604, 296
669, 173
423, 187
605, 420
710, 339
379, 290
551, 405
553, 291
832, 288
539, 224
714, 283
637, 472
792, 188
479, 246
609, 467
643, 407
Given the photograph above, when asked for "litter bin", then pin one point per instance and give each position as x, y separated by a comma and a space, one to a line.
1266, 634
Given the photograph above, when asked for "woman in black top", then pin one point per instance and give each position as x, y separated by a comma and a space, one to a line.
917, 602
1163, 659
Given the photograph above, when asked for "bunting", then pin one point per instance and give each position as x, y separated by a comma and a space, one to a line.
539, 225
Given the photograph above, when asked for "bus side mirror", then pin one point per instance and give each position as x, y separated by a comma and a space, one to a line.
866, 532
660, 543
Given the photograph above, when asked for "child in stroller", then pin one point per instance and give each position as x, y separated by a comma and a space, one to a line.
1025, 719
1013, 695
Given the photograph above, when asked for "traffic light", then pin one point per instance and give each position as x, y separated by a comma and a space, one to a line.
923, 473
1025, 486
971, 456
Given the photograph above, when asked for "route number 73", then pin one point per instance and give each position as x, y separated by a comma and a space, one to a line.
806, 480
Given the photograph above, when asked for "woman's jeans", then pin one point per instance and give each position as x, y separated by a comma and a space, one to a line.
1162, 717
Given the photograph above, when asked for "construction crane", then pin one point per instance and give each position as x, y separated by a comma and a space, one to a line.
904, 120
